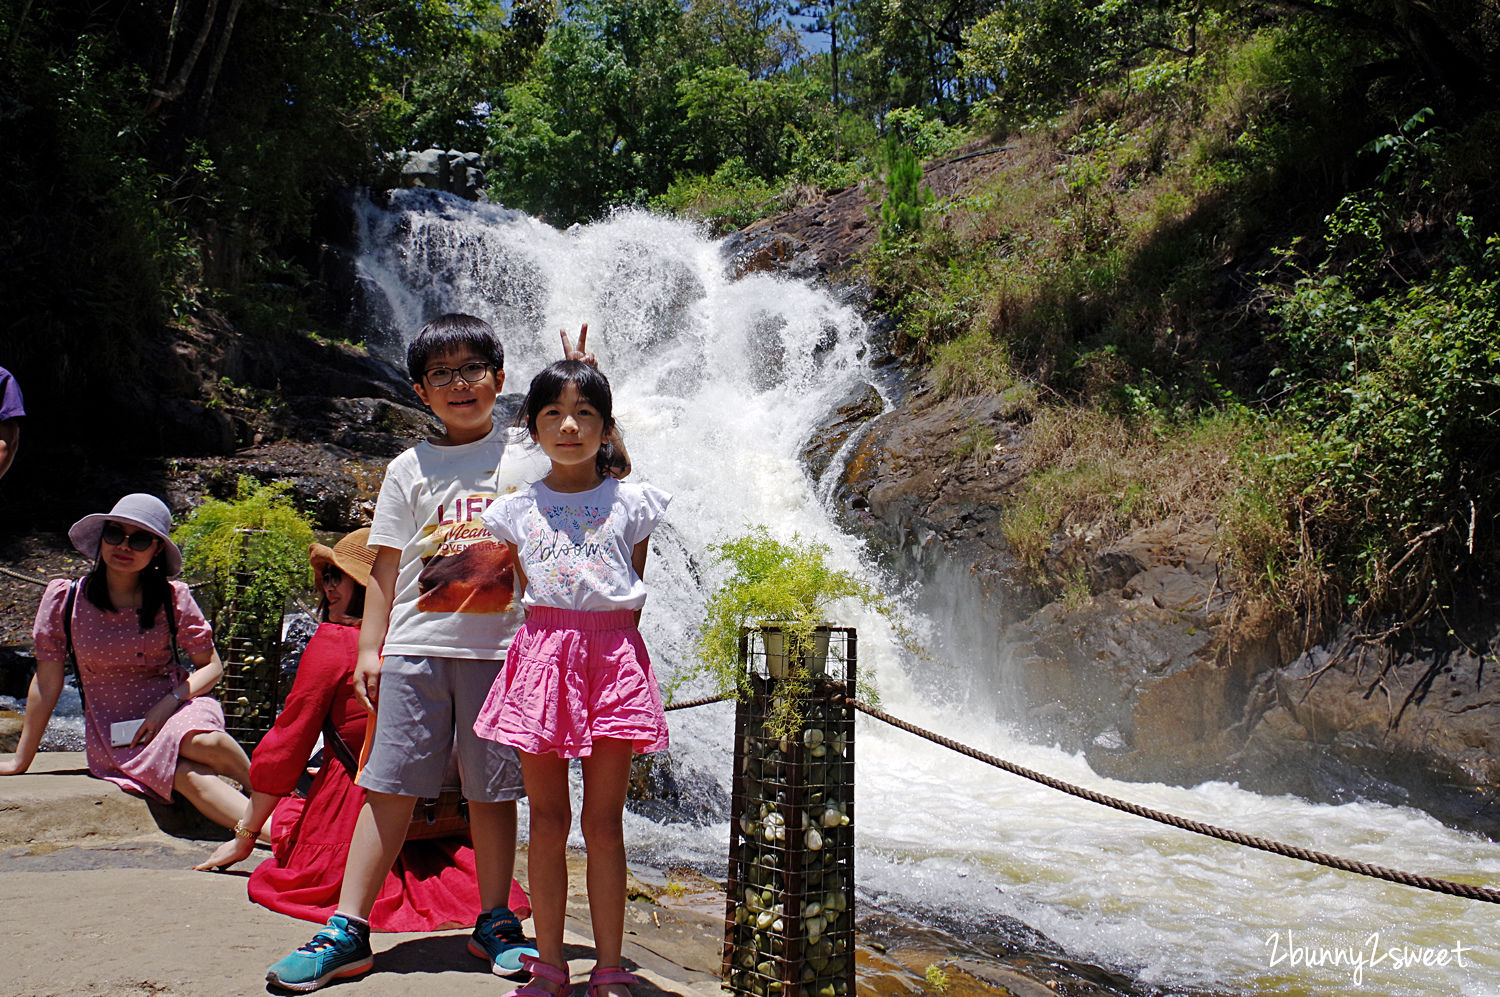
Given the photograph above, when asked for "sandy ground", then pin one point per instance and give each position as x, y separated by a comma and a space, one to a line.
97, 900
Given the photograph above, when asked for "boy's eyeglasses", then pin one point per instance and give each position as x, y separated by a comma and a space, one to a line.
114, 535
332, 575
469, 373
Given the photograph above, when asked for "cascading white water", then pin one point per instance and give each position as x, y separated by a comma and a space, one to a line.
718, 383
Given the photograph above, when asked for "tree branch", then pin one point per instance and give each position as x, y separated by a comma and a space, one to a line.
179, 84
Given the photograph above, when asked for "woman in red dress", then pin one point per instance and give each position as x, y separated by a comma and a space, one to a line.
432, 885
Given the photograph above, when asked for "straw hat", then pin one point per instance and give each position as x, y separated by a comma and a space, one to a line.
147, 512
349, 555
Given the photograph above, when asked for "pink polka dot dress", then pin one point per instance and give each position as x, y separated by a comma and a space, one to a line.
124, 673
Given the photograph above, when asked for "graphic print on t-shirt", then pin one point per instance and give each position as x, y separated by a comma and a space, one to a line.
467, 569
568, 545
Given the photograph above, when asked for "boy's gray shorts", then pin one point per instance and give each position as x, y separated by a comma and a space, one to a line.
427, 706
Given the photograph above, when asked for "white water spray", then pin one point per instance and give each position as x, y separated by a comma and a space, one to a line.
718, 383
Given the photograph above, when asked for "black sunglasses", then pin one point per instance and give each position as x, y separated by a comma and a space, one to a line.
332, 575
114, 534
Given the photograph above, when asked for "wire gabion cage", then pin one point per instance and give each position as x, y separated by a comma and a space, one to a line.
789, 907
251, 690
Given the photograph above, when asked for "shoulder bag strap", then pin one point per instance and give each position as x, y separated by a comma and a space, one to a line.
171, 610
334, 742
68, 603
71, 658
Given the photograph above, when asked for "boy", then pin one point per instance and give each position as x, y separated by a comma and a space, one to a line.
439, 608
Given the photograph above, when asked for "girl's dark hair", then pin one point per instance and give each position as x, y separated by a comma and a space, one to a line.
356, 605
155, 589
547, 387
448, 333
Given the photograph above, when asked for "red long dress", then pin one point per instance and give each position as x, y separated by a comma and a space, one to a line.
432, 885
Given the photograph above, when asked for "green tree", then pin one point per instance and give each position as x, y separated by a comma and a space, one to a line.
905, 199
1034, 55
623, 98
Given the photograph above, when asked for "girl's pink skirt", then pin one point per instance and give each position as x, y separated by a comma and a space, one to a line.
570, 678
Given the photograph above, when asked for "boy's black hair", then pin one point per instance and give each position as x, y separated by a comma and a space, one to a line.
451, 332
593, 386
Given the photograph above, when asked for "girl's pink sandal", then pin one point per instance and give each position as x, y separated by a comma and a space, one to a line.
608, 976
540, 970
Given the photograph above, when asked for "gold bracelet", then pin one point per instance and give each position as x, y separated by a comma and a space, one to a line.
241, 831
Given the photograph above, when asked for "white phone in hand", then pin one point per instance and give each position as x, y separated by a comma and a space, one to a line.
121, 733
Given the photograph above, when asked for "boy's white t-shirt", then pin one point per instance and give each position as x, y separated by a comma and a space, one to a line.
576, 547
454, 593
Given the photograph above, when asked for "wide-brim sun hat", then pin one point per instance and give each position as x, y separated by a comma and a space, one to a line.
350, 555
146, 512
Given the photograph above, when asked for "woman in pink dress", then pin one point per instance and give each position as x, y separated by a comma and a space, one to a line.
122, 616
432, 884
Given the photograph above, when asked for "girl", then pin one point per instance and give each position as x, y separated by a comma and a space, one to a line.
577, 682
122, 617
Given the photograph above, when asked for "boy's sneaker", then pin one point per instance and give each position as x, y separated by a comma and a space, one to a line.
498, 938
340, 949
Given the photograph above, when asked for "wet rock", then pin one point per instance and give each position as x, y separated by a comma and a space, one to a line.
456, 172
333, 486
909, 486
190, 427
853, 411
1153, 670
659, 792
312, 367
770, 252
647, 296
824, 236
10, 729
1405, 721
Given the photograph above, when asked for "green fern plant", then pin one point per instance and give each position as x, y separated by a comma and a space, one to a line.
787, 585
253, 553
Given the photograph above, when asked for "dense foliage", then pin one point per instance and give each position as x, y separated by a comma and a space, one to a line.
252, 551
788, 586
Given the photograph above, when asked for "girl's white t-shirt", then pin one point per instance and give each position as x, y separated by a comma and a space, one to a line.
454, 593
575, 547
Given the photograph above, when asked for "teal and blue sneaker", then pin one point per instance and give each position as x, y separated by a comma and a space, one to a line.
341, 949
498, 939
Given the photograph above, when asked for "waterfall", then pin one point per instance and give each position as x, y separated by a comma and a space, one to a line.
718, 382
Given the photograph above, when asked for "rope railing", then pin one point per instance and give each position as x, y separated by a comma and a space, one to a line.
698, 702
21, 576
36, 580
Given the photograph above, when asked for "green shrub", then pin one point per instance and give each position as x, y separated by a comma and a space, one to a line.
786, 584
905, 200
253, 552
1396, 404
733, 197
